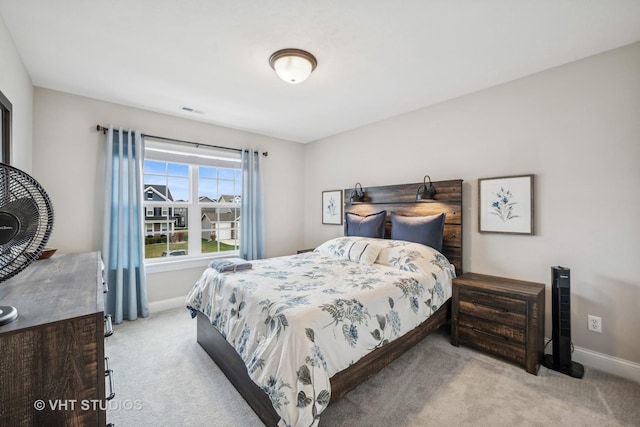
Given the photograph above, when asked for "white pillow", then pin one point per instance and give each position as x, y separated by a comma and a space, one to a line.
357, 249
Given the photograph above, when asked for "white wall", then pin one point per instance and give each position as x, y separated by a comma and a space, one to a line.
577, 128
16, 85
68, 160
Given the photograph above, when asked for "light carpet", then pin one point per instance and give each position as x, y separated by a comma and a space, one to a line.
162, 377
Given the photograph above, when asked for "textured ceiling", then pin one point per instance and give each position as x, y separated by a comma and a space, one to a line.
376, 58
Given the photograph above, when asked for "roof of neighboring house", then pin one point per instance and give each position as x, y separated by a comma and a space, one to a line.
162, 191
223, 216
228, 198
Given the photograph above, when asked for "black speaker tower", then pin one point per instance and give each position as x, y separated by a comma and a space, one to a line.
561, 325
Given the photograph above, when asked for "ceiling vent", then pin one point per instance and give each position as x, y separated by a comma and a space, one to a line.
191, 110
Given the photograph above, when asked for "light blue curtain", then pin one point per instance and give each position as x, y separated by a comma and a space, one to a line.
252, 206
122, 239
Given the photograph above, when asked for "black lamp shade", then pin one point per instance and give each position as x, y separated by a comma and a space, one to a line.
357, 196
425, 191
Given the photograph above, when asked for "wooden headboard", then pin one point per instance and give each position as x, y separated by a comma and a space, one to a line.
401, 199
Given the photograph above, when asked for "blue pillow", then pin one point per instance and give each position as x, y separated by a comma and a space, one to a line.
366, 226
428, 230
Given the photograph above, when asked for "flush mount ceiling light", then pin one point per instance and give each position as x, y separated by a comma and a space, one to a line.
293, 65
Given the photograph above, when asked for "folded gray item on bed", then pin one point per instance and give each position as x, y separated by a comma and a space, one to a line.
229, 264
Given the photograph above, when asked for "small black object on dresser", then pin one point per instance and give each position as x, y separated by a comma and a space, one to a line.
501, 316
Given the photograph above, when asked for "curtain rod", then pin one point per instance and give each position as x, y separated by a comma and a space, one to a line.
197, 144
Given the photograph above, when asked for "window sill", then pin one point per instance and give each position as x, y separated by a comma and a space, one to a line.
162, 265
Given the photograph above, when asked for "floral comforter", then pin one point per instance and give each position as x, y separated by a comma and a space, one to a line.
298, 320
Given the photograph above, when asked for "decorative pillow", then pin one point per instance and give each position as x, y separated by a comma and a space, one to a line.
428, 230
366, 226
356, 249
410, 256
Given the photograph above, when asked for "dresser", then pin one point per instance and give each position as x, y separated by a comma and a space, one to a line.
501, 316
53, 367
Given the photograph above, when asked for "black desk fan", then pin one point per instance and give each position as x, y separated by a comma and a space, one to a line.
26, 221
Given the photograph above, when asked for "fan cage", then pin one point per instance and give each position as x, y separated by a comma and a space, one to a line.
21, 195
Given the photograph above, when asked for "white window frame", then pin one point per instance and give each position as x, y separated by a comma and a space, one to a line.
203, 157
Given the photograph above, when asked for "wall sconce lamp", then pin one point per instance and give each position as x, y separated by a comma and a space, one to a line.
293, 65
357, 196
427, 192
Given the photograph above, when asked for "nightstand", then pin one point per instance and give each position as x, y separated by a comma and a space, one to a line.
504, 317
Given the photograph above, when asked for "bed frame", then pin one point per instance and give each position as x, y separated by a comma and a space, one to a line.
400, 199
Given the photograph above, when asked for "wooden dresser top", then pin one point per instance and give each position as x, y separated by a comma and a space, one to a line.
49, 290
501, 285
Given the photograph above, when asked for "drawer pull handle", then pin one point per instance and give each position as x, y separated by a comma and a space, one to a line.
108, 326
490, 334
105, 287
108, 374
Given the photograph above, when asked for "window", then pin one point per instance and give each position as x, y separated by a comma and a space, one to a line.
195, 205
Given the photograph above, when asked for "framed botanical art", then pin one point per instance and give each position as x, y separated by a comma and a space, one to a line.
332, 207
506, 204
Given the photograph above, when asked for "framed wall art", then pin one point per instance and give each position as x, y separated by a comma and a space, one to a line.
332, 207
506, 204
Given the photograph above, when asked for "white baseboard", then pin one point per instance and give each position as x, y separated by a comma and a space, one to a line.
603, 362
166, 304
610, 364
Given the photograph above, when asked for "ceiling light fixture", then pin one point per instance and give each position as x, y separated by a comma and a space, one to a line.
293, 65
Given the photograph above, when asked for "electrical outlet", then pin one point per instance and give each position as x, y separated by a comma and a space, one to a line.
595, 323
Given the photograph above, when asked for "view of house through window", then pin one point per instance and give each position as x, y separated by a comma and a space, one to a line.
191, 203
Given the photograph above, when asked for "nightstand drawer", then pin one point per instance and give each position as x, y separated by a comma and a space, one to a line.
498, 302
493, 344
509, 333
496, 314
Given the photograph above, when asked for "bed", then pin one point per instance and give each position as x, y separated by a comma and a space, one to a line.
294, 334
